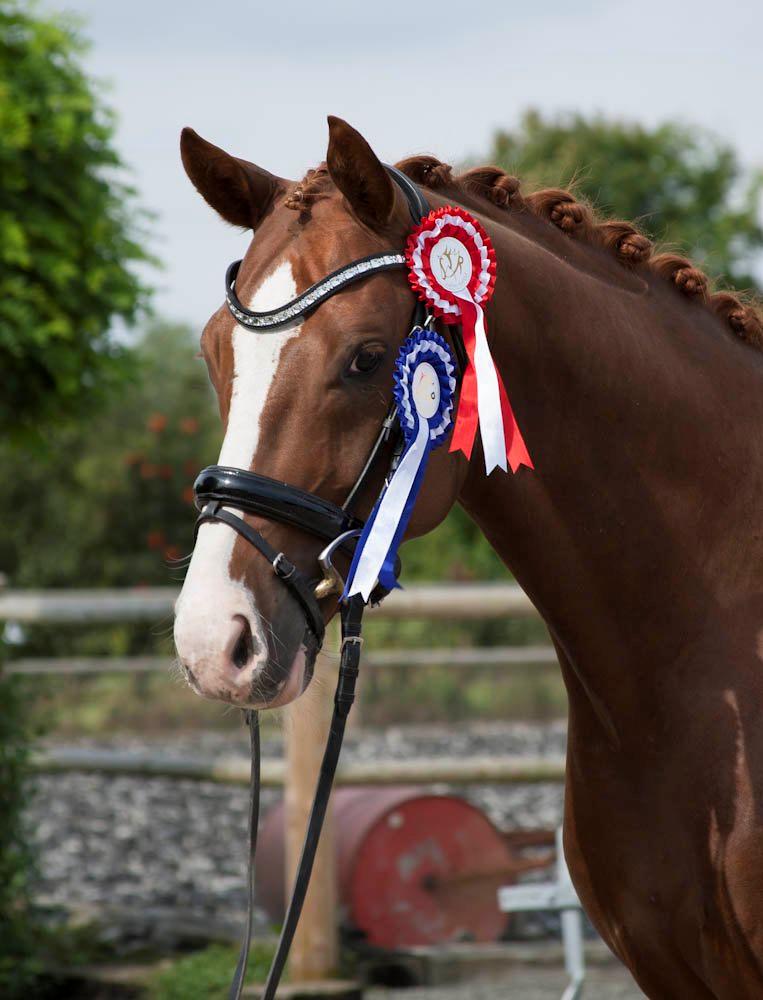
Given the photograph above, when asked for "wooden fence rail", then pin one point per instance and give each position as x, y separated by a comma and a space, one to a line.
462, 602
479, 656
235, 770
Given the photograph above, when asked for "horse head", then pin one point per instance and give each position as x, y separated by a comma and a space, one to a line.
301, 404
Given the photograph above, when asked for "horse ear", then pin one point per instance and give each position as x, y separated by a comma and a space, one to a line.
359, 175
237, 190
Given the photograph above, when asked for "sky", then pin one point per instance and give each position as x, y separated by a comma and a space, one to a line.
259, 80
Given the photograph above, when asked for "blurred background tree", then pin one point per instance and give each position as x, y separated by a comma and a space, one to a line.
112, 505
68, 236
67, 248
682, 184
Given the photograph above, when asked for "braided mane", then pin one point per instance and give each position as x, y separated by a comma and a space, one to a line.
574, 217
578, 219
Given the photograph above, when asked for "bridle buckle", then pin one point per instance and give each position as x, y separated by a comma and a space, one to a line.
282, 567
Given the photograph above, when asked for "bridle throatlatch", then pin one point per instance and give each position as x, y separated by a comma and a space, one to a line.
451, 268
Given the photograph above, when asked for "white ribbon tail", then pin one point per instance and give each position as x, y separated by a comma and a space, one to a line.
388, 516
488, 396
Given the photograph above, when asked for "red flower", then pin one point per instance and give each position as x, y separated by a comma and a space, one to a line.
189, 425
156, 423
155, 539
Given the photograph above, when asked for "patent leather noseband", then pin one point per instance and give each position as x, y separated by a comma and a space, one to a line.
269, 498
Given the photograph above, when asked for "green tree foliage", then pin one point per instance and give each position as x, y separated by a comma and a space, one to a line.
19, 966
67, 243
112, 505
682, 184
67, 234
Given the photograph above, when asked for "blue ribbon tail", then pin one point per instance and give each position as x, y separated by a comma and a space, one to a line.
387, 576
367, 527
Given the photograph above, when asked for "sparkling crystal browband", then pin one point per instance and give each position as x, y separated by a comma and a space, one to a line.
309, 299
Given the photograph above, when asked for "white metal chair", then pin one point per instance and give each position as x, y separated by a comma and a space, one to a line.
559, 896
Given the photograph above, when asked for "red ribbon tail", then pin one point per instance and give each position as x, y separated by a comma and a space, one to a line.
516, 449
467, 418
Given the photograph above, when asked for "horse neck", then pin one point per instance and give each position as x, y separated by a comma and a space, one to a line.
643, 419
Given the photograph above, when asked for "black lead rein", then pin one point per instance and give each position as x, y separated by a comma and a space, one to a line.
352, 618
253, 721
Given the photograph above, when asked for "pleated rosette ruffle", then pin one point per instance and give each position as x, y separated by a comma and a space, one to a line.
424, 345
450, 221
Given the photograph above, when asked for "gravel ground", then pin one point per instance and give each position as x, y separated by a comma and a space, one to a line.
152, 849
610, 983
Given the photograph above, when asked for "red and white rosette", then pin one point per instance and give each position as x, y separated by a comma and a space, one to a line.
451, 266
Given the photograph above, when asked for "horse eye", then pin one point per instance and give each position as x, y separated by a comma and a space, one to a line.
367, 360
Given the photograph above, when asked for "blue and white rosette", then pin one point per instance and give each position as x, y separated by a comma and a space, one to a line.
424, 387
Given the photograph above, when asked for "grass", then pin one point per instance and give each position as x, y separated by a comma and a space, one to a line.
206, 974
70, 706
439, 694
72, 962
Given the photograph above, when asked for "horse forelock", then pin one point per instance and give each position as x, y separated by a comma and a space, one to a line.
316, 184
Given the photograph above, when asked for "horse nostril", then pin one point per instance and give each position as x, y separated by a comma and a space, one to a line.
243, 650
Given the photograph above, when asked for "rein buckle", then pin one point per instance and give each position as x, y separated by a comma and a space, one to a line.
282, 567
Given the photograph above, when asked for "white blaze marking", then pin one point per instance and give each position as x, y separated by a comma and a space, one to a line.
209, 597
255, 361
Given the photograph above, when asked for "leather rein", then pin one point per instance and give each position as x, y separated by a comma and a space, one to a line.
219, 490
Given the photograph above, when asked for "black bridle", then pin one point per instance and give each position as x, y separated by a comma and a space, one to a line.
219, 488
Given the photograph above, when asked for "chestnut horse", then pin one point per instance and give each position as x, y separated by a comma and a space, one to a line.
637, 536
